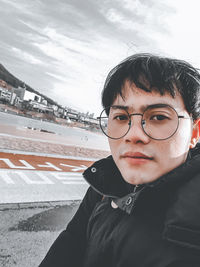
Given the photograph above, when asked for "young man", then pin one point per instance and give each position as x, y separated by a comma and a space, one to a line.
142, 206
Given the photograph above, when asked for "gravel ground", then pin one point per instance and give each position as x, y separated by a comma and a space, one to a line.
27, 233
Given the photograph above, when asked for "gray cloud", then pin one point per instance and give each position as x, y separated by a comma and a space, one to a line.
74, 38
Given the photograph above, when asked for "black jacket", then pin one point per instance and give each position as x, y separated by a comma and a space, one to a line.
157, 224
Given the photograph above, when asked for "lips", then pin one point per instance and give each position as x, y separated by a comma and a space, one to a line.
136, 155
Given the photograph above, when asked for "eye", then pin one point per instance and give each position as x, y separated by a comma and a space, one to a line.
121, 117
159, 117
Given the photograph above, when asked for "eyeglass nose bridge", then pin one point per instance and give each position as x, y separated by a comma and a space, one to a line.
136, 114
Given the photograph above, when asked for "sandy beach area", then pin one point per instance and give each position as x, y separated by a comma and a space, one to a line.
29, 140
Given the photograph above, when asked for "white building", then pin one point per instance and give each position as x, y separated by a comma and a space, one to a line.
31, 96
5, 94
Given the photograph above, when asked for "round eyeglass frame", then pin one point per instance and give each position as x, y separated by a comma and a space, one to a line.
142, 121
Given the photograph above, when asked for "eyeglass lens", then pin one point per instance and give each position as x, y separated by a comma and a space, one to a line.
157, 122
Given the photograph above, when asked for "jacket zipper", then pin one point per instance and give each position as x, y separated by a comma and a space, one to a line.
135, 188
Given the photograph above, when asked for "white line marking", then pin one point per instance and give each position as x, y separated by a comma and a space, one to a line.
26, 178
12, 166
40, 177
5, 176
75, 168
50, 165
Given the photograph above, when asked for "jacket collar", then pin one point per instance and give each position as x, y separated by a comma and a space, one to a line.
106, 179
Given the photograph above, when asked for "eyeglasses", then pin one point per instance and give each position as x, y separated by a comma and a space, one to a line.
159, 121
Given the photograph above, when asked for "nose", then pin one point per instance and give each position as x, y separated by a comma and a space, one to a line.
136, 133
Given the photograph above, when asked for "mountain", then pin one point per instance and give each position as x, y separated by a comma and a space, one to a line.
15, 82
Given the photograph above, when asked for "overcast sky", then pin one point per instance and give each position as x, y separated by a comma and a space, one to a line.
65, 48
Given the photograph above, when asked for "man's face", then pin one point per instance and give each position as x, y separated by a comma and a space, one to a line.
139, 158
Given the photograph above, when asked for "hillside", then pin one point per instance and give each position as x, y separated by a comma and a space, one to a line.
15, 82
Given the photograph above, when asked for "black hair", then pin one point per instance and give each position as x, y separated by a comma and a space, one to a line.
153, 73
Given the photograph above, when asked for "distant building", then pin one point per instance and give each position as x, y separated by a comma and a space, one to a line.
10, 94
44, 101
40, 107
31, 96
13, 98
5, 94
19, 92
54, 107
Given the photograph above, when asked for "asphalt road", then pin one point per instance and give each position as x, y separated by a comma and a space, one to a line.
36, 178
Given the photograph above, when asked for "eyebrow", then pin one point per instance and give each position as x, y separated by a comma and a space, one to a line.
143, 107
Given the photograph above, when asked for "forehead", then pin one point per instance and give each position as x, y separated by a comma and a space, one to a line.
138, 99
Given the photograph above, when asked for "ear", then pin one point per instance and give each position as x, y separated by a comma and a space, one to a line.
195, 133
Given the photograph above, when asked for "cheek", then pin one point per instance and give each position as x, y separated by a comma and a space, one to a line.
114, 147
182, 141
174, 150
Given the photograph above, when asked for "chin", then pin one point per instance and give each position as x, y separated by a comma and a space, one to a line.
133, 180
139, 178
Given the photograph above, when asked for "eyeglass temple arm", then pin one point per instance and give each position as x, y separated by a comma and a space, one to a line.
98, 118
183, 117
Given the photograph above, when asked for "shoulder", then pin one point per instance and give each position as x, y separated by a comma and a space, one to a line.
91, 198
182, 224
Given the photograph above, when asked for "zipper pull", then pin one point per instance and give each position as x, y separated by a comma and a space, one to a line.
135, 188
